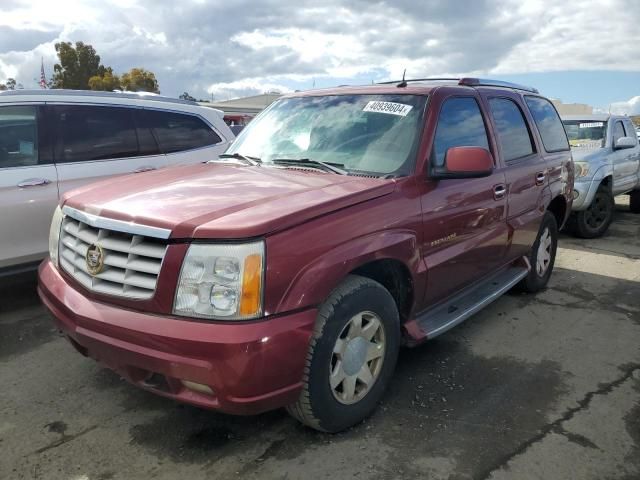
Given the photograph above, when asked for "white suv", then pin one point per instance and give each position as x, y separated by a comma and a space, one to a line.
52, 141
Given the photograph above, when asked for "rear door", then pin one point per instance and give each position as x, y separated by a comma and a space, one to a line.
464, 227
526, 170
93, 142
28, 186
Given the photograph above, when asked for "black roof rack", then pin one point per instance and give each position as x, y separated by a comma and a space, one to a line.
466, 81
91, 93
487, 82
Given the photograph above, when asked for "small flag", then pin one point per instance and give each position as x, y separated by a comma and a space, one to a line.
43, 79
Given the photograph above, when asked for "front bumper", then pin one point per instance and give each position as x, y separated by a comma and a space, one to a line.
250, 367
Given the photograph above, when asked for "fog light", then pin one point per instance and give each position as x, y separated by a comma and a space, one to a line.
576, 194
197, 387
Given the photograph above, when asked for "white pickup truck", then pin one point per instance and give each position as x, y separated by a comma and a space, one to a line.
606, 153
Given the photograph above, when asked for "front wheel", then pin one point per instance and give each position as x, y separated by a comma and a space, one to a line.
543, 255
595, 220
351, 357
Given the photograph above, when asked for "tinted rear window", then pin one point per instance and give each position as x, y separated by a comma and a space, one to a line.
93, 133
512, 130
177, 132
549, 125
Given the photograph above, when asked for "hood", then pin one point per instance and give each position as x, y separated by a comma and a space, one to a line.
223, 200
588, 154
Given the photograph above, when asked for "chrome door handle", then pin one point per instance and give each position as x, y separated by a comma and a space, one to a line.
499, 192
34, 182
540, 176
144, 169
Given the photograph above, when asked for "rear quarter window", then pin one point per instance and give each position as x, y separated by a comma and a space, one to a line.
548, 123
177, 132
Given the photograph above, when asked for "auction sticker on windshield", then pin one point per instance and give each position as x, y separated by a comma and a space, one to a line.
391, 108
591, 125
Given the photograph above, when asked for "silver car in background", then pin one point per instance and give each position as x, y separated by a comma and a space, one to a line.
52, 141
606, 153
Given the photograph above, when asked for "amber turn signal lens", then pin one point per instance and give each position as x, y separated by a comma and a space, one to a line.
251, 286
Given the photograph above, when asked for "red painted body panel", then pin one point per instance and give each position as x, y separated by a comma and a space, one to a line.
224, 201
318, 227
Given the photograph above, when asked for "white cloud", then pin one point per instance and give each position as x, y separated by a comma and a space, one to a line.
241, 88
630, 107
246, 46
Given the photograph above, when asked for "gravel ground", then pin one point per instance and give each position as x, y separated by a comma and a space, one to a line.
542, 387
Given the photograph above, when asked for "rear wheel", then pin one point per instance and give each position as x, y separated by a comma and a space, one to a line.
595, 220
542, 256
351, 357
634, 201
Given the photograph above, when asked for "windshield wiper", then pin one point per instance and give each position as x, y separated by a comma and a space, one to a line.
255, 161
307, 162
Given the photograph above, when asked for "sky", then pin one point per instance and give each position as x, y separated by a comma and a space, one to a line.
577, 51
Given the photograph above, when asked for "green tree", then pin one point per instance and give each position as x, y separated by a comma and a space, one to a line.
186, 96
139, 80
107, 82
77, 65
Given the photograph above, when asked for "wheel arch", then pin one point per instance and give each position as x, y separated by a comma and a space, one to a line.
390, 258
396, 277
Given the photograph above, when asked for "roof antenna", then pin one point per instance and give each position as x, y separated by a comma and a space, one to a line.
403, 83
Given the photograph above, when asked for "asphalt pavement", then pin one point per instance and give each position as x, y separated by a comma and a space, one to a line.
533, 387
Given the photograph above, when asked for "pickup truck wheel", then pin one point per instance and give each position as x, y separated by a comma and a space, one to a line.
352, 356
634, 201
595, 220
543, 255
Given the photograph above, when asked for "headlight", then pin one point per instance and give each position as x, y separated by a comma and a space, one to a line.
54, 235
221, 282
582, 169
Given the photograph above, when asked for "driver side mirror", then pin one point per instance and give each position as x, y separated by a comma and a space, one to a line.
624, 142
464, 162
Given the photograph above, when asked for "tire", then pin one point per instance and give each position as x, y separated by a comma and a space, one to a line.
332, 408
547, 239
634, 201
595, 220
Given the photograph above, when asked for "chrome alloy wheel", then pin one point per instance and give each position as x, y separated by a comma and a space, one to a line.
357, 358
544, 253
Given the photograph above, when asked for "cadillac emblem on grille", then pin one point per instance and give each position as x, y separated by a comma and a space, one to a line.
95, 259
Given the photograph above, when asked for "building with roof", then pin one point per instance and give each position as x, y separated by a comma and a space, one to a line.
241, 110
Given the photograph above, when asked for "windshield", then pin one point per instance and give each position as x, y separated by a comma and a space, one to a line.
362, 134
586, 133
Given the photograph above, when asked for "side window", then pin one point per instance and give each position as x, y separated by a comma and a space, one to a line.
549, 125
87, 133
511, 127
618, 131
460, 125
177, 132
18, 137
630, 130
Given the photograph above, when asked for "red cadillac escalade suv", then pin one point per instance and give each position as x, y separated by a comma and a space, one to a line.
340, 225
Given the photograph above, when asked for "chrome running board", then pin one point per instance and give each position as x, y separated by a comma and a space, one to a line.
443, 317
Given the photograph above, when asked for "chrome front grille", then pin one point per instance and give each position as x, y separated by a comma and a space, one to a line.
131, 262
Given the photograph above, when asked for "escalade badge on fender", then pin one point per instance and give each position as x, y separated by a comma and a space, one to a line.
95, 259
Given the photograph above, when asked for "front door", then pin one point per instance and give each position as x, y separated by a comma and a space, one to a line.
28, 188
625, 160
465, 233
